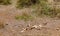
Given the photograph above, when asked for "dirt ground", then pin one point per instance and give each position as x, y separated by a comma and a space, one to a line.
13, 27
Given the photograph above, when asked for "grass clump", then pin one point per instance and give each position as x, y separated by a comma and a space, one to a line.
45, 10
48, 11
24, 17
26, 3
58, 12
5, 2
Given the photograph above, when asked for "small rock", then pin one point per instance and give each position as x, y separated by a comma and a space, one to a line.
6, 24
57, 29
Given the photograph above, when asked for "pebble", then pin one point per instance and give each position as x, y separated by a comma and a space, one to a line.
57, 29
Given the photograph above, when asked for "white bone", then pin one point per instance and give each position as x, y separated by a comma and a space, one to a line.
35, 26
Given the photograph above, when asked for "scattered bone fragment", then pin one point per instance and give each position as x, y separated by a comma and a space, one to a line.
35, 26
23, 30
40, 26
27, 28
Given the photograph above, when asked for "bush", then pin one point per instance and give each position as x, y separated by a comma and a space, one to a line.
24, 17
26, 3
45, 10
5, 2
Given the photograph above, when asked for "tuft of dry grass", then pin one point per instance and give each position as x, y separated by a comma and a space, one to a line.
24, 17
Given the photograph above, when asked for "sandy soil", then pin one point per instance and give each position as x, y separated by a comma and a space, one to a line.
13, 27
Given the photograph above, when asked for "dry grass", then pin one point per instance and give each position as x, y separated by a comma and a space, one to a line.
24, 17
14, 27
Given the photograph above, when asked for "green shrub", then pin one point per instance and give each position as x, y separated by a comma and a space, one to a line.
5, 2
24, 17
45, 9
57, 11
26, 3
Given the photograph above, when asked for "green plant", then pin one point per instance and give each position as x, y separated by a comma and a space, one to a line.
58, 12
26, 3
45, 10
24, 17
5, 2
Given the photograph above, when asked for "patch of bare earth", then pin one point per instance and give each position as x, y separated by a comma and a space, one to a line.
37, 27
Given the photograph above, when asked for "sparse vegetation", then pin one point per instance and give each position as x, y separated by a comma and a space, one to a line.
45, 10
26, 3
5, 2
34, 19
42, 6
24, 17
